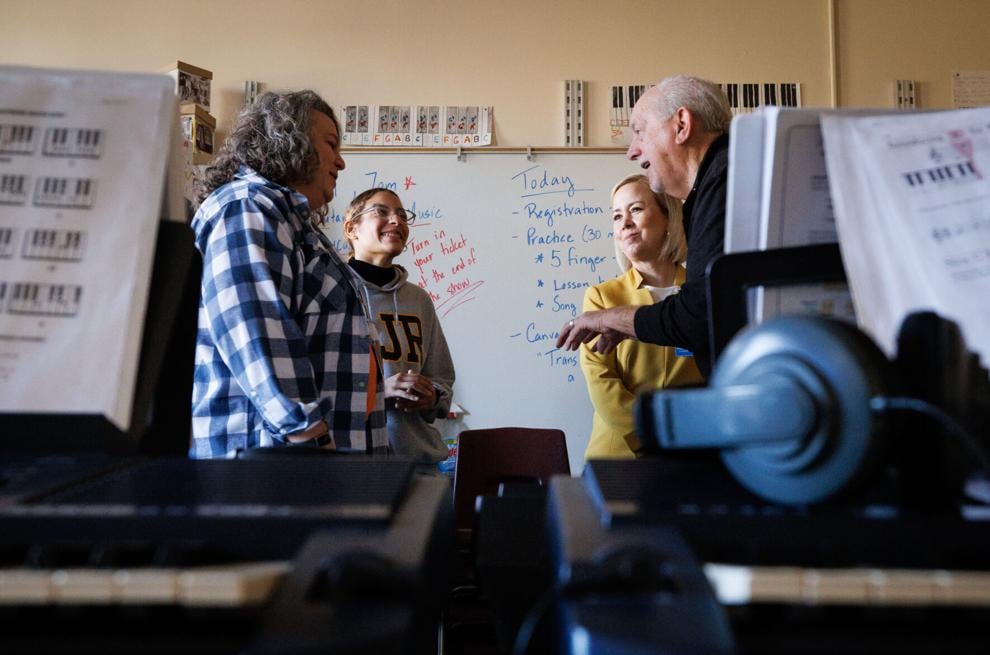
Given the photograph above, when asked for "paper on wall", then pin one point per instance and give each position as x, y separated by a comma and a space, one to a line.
970, 89
429, 126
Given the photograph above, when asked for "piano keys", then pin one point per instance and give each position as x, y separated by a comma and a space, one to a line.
73, 142
17, 139
770, 94
8, 242
745, 98
228, 585
225, 557
52, 245
743, 585
624, 98
44, 299
848, 577
14, 189
65, 192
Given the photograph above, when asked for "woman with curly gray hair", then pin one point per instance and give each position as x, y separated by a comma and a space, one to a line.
272, 137
286, 354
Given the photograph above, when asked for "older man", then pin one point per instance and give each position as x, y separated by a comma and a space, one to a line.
286, 354
680, 138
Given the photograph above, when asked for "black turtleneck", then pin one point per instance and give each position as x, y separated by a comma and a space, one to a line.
377, 275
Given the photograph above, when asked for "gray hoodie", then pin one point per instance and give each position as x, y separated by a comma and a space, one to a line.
412, 339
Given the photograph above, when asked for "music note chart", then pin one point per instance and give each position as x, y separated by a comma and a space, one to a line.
417, 125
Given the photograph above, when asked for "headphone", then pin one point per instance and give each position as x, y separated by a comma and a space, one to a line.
805, 408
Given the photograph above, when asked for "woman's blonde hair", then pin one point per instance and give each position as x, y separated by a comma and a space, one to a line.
674, 247
357, 205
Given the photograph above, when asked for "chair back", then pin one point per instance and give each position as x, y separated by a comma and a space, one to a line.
490, 457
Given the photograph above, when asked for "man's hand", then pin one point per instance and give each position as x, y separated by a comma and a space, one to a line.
611, 326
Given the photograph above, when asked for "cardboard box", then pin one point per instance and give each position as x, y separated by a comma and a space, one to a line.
198, 128
192, 84
194, 167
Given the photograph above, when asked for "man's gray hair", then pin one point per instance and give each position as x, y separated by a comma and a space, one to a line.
705, 100
272, 137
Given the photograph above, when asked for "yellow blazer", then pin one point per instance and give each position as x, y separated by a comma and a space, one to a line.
614, 380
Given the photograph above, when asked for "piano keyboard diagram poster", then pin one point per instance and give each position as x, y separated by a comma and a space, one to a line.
82, 163
743, 98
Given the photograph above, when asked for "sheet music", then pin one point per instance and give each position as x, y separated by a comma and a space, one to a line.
912, 208
82, 165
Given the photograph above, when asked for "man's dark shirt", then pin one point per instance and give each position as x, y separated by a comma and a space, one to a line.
682, 320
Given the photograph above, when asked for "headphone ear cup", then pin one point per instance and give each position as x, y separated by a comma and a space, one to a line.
840, 369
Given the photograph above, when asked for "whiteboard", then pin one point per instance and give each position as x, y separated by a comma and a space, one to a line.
505, 245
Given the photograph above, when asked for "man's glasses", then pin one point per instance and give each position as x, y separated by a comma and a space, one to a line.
383, 212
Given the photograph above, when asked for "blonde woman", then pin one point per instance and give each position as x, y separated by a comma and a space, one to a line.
650, 249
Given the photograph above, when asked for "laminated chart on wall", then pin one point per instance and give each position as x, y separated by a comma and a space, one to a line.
82, 165
505, 247
624, 98
743, 98
430, 126
970, 89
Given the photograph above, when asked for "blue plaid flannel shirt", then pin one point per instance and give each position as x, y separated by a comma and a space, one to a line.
283, 340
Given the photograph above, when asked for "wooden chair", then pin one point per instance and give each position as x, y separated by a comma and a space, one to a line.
489, 458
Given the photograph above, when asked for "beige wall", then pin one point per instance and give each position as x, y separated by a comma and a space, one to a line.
512, 54
923, 40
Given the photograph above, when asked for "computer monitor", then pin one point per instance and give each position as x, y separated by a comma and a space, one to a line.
730, 277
